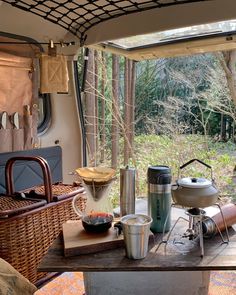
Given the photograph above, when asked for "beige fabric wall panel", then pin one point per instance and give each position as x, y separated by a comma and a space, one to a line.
15, 83
65, 129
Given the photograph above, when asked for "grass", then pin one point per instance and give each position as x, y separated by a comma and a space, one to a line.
177, 150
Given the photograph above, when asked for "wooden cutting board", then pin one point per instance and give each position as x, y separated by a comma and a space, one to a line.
77, 241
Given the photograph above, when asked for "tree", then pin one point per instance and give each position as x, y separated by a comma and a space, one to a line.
96, 76
103, 108
126, 112
129, 100
178, 94
90, 115
132, 101
228, 61
220, 96
115, 111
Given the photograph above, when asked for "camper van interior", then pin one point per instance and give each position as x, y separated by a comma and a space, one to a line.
50, 113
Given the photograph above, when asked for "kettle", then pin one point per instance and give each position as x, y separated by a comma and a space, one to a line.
194, 191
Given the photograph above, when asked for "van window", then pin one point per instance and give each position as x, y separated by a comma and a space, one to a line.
44, 113
171, 36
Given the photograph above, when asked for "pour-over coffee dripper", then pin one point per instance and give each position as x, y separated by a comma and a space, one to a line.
97, 182
97, 190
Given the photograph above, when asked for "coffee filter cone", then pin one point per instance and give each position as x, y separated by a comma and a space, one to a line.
97, 175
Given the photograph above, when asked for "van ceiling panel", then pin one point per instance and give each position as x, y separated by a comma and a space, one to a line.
23, 49
78, 16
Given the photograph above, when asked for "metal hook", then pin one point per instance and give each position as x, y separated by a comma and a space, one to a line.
52, 49
51, 44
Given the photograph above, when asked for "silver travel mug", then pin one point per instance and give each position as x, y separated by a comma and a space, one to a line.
127, 191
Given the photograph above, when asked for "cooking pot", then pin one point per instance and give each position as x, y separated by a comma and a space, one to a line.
194, 191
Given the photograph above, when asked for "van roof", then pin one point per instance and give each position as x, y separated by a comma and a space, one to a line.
99, 22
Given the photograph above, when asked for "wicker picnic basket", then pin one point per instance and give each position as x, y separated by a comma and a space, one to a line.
30, 222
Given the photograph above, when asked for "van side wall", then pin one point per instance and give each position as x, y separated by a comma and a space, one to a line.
65, 129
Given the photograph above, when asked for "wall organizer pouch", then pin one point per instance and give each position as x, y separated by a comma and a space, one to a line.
28, 227
53, 74
5, 133
28, 125
17, 132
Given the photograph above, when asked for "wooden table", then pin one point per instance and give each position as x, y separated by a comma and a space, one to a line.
217, 256
164, 262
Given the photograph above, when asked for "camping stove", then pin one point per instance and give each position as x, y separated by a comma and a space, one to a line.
194, 232
198, 225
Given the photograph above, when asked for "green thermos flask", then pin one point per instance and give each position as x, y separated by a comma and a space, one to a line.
159, 197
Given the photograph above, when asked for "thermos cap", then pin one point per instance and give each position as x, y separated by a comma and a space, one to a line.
127, 168
159, 174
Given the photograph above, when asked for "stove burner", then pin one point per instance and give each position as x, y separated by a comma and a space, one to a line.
195, 212
193, 236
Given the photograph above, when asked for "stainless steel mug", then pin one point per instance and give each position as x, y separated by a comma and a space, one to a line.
127, 191
136, 230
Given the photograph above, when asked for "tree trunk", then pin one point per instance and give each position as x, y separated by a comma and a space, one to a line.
228, 64
96, 97
223, 128
129, 107
129, 102
103, 109
126, 113
115, 111
132, 117
230, 121
90, 110
233, 131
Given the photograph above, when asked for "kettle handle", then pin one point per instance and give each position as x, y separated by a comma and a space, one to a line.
193, 160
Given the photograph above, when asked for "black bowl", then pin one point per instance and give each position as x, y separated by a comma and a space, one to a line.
97, 222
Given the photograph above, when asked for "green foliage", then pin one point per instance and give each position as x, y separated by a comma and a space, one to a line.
189, 82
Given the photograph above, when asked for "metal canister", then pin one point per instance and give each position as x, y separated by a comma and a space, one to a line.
127, 190
219, 222
159, 197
